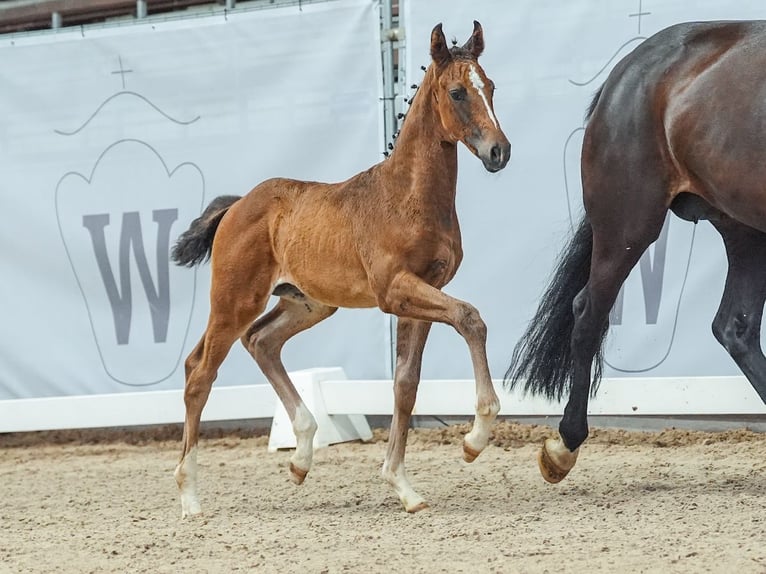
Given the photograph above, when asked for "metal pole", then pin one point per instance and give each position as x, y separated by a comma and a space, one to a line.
389, 109
389, 128
56, 20
140, 9
230, 4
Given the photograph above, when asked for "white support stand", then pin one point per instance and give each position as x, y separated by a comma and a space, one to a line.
331, 429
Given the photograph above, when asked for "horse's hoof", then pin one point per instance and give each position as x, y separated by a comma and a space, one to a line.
551, 471
470, 454
417, 507
297, 475
193, 513
190, 507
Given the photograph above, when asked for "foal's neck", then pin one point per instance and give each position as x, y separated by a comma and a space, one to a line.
421, 151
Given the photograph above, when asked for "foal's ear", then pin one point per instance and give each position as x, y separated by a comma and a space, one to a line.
475, 44
439, 50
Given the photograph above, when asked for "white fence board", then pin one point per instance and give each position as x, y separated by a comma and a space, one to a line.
617, 397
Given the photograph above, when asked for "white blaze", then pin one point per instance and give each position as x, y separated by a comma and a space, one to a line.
477, 83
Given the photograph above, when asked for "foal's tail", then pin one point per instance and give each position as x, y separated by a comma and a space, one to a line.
542, 359
194, 245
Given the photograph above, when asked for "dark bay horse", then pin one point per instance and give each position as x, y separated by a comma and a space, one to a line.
388, 237
679, 124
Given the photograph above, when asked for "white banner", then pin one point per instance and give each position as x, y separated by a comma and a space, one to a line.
113, 139
547, 59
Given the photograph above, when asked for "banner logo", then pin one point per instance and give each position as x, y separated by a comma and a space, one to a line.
117, 224
131, 240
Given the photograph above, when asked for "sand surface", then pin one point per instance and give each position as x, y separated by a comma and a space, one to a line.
675, 501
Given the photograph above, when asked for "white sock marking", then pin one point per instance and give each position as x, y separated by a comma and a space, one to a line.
304, 427
398, 479
477, 83
187, 473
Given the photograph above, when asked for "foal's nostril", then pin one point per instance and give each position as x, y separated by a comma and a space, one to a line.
496, 154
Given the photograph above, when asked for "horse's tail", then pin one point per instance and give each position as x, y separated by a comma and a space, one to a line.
594, 102
194, 245
542, 359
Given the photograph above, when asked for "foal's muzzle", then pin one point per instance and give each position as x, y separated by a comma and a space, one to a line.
494, 154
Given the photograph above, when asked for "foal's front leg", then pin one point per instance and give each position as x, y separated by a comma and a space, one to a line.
411, 297
410, 340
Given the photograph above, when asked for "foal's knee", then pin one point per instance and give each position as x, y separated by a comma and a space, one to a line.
257, 345
469, 323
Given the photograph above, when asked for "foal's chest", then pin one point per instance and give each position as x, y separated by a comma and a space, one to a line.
437, 257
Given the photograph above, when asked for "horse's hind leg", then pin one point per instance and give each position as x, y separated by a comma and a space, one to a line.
239, 291
410, 340
611, 263
225, 325
737, 325
293, 313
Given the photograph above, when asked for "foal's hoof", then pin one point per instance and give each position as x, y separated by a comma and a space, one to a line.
552, 461
469, 454
417, 507
413, 502
190, 506
297, 475
191, 513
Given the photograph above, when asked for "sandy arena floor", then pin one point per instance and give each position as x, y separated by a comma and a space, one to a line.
676, 501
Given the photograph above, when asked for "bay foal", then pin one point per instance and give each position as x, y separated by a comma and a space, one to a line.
388, 237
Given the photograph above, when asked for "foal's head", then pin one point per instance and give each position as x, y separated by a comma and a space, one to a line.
463, 96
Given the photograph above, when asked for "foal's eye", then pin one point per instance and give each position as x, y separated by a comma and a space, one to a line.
458, 94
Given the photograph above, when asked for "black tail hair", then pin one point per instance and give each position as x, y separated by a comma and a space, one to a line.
194, 245
542, 359
594, 102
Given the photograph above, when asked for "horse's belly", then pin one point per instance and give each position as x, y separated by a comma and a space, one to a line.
333, 283
748, 207
738, 196
340, 294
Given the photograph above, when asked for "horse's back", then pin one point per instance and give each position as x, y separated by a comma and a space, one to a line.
308, 229
673, 58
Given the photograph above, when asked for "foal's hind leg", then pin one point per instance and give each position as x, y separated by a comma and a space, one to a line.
264, 340
411, 297
226, 324
410, 340
737, 325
